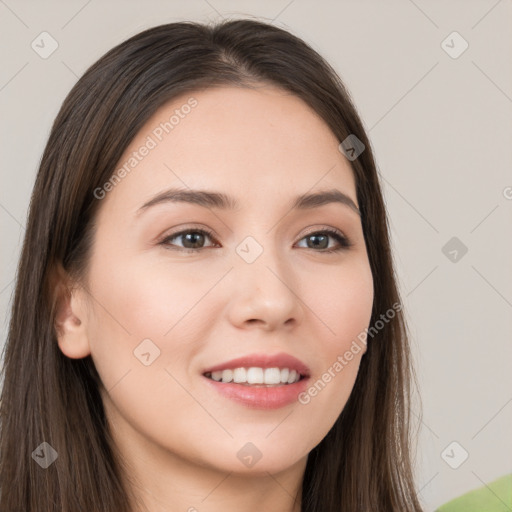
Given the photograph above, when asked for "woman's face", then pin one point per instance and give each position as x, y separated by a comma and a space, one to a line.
165, 308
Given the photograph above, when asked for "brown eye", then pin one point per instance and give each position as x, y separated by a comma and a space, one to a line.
320, 240
192, 239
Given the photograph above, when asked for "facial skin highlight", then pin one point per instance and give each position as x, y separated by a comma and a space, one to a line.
263, 147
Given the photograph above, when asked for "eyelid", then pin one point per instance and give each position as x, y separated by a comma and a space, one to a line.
324, 229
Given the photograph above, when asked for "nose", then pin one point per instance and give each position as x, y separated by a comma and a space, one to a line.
265, 293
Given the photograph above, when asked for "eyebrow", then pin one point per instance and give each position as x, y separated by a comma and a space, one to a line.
219, 200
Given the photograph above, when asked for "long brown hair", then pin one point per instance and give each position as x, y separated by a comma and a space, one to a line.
364, 462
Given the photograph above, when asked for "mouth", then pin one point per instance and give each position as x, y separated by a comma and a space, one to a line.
260, 381
259, 370
255, 376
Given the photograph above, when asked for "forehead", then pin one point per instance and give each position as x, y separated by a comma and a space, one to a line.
247, 142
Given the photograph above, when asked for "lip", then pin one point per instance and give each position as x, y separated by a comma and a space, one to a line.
261, 396
281, 360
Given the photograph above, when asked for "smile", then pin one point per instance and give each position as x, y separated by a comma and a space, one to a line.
256, 376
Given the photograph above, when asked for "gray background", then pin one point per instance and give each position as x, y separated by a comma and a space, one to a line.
441, 129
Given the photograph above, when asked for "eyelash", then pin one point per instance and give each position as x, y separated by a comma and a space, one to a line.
344, 242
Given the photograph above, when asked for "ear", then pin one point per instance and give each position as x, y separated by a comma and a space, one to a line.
70, 317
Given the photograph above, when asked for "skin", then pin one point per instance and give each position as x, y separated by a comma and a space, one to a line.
180, 439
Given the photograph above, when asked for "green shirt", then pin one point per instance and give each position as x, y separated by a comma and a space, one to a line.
494, 497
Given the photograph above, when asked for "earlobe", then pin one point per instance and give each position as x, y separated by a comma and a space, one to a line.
70, 324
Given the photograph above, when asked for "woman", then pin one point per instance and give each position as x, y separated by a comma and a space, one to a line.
206, 315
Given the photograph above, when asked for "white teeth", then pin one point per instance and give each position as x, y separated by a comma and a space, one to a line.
217, 375
255, 375
227, 375
292, 377
239, 375
272, 376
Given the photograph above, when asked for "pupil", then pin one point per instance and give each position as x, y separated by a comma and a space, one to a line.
312, 237
192, 235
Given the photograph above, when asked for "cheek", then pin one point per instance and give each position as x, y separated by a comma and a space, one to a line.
140, 316
146, 298
137, 301
342, 299
344, 306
